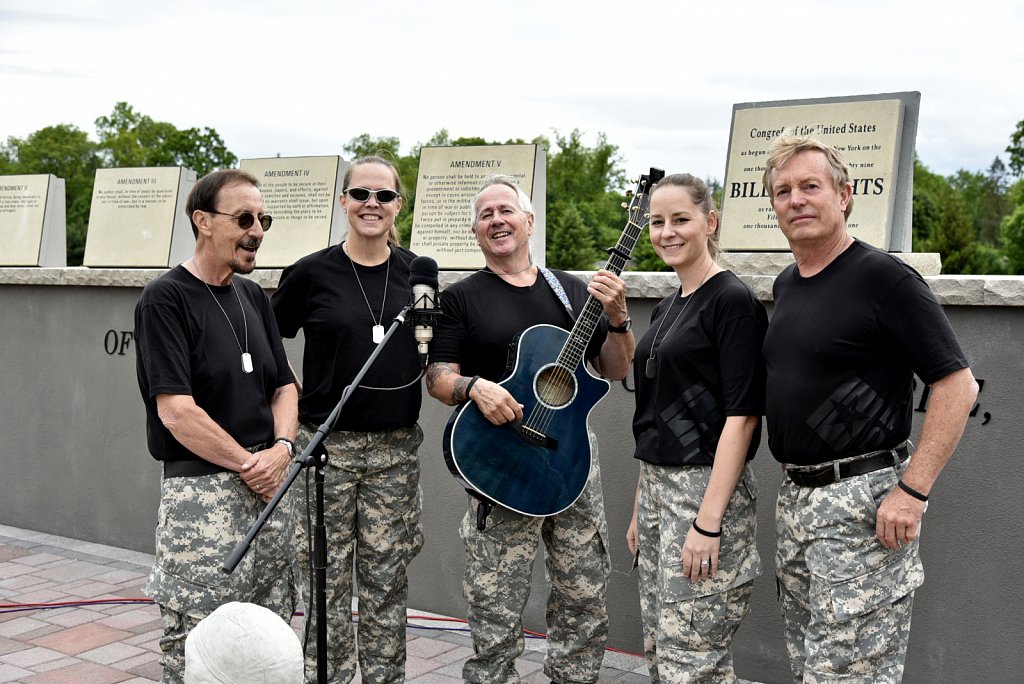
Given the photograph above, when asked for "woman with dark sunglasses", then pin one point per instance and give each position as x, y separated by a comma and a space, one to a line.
344, 297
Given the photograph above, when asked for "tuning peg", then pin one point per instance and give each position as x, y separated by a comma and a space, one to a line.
629, 193
624, 205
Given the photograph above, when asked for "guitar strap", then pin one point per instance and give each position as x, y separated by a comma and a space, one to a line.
559, 290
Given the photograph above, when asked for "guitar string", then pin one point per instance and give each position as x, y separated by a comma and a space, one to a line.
541, 416
560, 377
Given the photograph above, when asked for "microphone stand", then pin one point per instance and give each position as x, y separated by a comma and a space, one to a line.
315, 455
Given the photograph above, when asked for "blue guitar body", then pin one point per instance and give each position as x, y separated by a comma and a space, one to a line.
538, 466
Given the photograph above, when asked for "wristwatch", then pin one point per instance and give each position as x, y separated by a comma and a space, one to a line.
288, 444
624, 328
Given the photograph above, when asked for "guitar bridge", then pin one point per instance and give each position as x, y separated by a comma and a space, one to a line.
536, 437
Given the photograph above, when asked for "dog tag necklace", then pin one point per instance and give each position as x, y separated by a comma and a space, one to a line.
651, 366
246, 357
378, 323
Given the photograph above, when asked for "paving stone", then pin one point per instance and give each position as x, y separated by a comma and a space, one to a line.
41, 595
9, 552
111, 653
427, 648
39, 559
22, 582
66, 661
85, 637
76, 616
152, 672
81, 672
74, 570
31, 657
11, 646
20, 625
9, 673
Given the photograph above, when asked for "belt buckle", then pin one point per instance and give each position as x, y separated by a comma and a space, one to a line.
836, 475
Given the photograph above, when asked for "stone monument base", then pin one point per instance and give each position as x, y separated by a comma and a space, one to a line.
772, 263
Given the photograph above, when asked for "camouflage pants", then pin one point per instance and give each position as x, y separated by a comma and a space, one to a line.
846, 600
372, 504
200, 521
499, 565
688, 628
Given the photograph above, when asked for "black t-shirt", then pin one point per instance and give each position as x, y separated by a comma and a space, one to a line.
709, 367
483, 314
184, 345
841, 352
321, 294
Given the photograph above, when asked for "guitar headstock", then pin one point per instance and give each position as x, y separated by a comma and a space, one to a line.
640, 199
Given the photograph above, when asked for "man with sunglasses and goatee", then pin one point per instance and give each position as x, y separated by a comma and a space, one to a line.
221, 414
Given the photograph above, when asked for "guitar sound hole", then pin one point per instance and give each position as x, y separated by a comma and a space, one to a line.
555, 386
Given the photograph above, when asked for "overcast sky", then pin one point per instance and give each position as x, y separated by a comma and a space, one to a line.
298, 77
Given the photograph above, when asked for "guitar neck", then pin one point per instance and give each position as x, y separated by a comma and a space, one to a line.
586, 323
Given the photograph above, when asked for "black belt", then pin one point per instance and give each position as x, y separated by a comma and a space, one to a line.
839, 470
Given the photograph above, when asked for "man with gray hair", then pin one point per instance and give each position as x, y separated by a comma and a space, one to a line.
851, 326
483, 314
221, 414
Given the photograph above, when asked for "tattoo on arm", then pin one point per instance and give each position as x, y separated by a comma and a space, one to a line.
435, 371
459, 389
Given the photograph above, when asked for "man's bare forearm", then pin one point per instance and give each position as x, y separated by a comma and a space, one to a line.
445, 384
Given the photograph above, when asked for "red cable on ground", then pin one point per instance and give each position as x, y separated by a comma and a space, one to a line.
18, 607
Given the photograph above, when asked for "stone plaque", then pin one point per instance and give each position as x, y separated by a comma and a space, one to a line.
875, 134
33, 222
137, 218
449, 178
301, 193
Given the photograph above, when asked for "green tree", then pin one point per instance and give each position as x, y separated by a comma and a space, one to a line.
66, 152
570, 243
984, 195
365, 145
1012, 230
590, 182
1016, 150
955, 241
128, 138
929, 189
1013, 240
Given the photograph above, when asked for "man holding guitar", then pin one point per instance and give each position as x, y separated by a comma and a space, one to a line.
484, 314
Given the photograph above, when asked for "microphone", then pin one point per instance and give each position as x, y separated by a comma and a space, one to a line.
423, 279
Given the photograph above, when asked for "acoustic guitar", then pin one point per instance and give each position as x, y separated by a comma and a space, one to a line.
540, 465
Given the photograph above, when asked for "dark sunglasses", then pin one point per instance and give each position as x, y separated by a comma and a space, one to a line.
363, 194
247, 218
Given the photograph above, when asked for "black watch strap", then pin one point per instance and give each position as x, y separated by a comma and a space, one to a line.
624, 328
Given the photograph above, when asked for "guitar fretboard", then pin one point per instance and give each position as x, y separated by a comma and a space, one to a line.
586, 323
